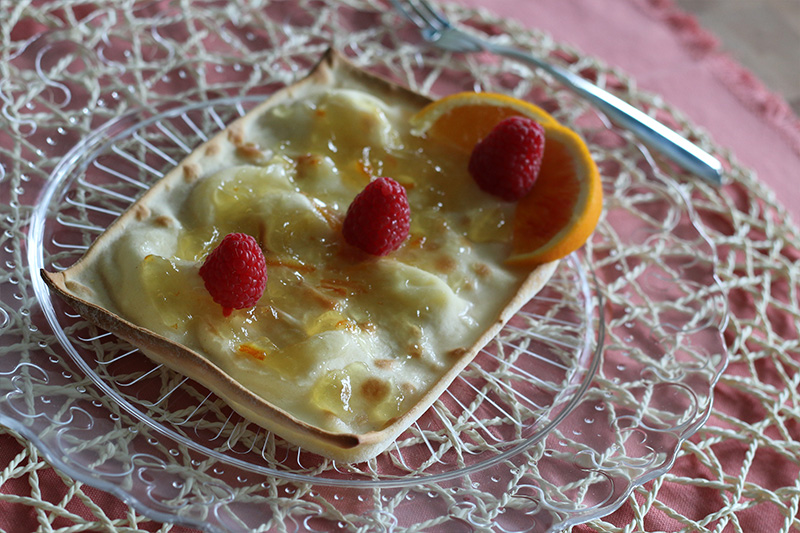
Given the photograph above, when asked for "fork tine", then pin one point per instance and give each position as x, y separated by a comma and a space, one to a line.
438, 16
413, 17
422, 14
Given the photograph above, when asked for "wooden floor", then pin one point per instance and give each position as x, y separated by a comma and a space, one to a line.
763, 35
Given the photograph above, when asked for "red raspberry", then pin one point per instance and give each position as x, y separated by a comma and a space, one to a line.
379, 218
235, 272
506, 162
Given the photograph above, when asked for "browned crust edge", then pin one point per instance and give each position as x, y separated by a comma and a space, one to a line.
345, 447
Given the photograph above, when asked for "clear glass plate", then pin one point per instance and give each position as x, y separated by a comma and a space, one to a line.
586, 393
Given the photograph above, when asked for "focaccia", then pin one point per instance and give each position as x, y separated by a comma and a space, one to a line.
344, 350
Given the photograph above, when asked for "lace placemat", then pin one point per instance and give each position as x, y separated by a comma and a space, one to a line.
756, 248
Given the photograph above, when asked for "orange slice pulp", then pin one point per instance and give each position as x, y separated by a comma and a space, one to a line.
562, 209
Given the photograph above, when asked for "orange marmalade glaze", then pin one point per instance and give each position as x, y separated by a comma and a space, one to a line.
340, 339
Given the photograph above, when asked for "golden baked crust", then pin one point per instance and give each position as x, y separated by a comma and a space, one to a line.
235, 146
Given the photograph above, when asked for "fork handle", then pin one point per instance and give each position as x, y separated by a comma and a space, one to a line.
657, 136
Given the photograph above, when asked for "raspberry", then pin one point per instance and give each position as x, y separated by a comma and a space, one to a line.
507, 161
379, 218
235, 272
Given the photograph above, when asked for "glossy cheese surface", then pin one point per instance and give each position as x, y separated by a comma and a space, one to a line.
340, 340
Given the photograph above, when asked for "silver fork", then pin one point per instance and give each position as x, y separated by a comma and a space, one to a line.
437, 29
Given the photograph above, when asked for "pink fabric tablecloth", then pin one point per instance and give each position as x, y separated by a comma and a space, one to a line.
668, 54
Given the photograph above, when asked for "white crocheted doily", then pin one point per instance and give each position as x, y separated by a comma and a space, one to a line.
667, 255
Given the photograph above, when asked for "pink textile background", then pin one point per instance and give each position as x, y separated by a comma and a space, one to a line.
667, 54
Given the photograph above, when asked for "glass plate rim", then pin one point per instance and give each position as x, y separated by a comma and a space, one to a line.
71, 163
578, 519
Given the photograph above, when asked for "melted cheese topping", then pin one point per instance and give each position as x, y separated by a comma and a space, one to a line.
340, 340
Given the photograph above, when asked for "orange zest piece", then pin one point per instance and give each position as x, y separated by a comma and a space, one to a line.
252, 351
463, 119
564, 205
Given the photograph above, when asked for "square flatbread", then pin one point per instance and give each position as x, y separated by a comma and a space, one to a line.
345, 350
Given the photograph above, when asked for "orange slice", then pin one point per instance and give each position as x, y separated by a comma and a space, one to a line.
563, 208
465, 118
